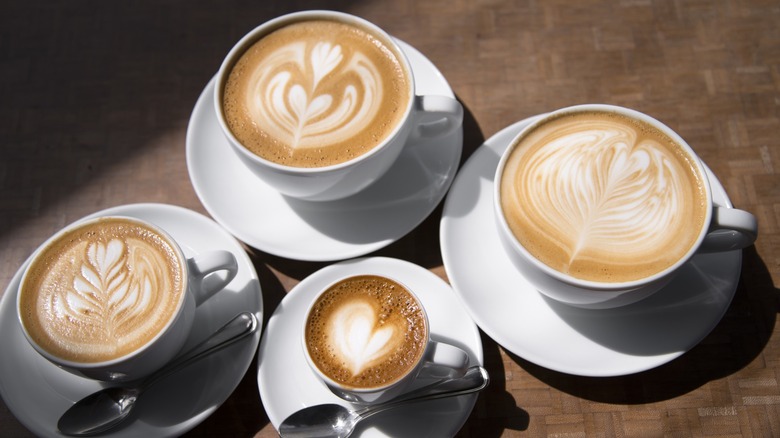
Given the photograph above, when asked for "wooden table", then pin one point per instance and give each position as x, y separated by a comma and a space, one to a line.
95, 99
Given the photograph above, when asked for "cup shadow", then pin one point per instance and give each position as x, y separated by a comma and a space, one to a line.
496, 409
734, 343
416, 246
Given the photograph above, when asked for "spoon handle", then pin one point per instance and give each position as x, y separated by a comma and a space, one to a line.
475, 379
236, 329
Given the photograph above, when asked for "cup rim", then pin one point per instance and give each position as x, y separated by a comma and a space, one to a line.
373, 389
591, 284
140, 350
278, 22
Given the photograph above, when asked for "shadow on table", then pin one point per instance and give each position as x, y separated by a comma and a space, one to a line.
496, 409
734, 343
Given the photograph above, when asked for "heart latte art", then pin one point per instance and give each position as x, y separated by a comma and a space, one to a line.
101, 291
366, 332
315, 93
602, 197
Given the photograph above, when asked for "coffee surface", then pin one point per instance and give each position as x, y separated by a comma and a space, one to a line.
603, 197
315, 93
366, 332
101, 291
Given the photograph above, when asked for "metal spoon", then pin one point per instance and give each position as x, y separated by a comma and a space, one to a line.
332, 420
105, 409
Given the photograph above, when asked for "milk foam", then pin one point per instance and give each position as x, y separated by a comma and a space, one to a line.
315, 93
102, 293
599, 198
358, 340
290, 99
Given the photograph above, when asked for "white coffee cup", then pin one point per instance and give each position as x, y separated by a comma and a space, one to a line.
559, 180
144, 294
419, 117
344, 340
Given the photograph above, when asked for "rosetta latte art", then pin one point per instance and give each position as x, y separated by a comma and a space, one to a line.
605, 197
102, 291
313, 95
114, 291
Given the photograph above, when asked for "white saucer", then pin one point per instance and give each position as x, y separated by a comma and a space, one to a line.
584, 342
38, 392
312, 231
287, 384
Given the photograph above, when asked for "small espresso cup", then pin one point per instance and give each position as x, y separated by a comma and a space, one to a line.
368, 339
599, 206
320, 104
114, 298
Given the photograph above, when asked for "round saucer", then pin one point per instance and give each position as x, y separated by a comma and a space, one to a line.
37, 392
563, 338
323, 231
287, 384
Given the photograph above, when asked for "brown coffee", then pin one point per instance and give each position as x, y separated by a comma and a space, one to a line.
101, 291
603, 197
316, 93
366, 332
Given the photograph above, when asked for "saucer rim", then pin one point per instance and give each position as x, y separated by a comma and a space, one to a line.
499, 333
400, 270
138, 210
338, 249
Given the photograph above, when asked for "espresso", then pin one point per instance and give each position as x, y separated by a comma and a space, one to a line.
366, 332
315, 93
603, 197
101, 290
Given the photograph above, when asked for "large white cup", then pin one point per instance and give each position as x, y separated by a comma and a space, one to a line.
421, 116
117, 273
353, 319
720, 228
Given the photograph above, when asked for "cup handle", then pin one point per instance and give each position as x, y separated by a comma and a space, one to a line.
210, 272
444, 361
437, 116
730, 229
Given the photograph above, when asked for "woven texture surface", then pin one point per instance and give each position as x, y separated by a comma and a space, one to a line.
95, 98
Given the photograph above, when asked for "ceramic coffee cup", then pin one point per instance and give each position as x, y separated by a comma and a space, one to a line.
367, 337
320, 104
600, 206
114, 298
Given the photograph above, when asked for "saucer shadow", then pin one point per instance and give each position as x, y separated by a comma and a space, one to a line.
385, 209
735, 342
420, 246
186, 395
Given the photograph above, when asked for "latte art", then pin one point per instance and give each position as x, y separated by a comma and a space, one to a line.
358, 341
102, 291
313, 96
602, 197
366, 332
315, 93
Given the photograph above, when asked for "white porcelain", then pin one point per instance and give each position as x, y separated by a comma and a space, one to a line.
439, 361
37, 392
344, 179
168, 342
740, 225
587, 342
287, 384
322, 231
